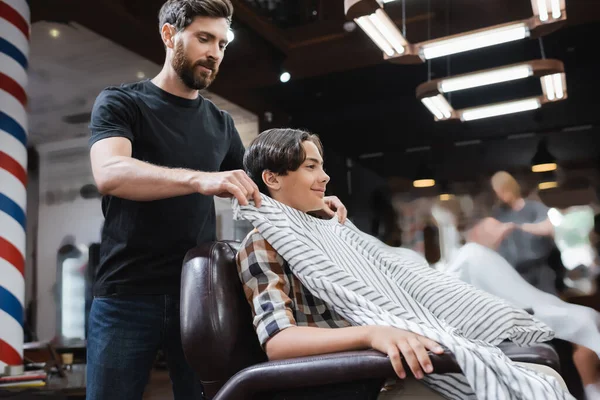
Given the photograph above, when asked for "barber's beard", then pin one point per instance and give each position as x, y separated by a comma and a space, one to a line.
189, 73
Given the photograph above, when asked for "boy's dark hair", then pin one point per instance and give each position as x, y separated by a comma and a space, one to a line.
181, 13
278, 151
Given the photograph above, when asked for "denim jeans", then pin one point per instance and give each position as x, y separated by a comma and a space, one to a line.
124, 336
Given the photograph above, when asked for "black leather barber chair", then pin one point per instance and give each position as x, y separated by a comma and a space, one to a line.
220, 344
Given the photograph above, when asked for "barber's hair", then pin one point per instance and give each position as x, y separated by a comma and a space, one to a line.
504, 180
278, 151
181, 13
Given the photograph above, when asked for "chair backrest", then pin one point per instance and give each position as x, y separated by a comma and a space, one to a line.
216, 322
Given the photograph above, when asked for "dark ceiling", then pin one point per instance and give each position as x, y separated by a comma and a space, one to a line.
364, 107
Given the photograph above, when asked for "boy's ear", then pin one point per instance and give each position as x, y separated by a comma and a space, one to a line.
271, 180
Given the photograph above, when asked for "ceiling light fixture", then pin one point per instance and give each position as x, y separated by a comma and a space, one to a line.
548, 180
424, 177
553, 86
543, 161
445, 193
423, 183
382, 30
54, 33
230, 36
550, 72
474, 40
374, 21
485, 78
494, 110
439, 106
548, 10
547, 185
285, 77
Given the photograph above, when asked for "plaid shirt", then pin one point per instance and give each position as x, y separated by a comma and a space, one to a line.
277, 298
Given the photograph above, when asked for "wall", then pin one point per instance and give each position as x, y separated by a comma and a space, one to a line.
64, 169
33, 182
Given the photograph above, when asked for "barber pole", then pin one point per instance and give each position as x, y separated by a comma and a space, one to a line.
14, 51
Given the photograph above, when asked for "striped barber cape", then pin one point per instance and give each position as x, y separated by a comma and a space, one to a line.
370, 283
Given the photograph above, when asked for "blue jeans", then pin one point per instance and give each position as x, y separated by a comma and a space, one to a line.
125, 333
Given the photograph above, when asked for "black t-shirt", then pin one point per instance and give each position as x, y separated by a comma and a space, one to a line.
143, 243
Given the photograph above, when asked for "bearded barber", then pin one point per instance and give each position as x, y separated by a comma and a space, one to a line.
159, 153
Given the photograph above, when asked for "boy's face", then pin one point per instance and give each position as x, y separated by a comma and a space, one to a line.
304, 188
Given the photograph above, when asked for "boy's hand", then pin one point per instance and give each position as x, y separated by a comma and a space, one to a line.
393, 341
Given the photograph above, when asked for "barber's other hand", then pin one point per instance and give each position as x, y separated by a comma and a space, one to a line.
393, 342
227, 184
333, 205
508, 227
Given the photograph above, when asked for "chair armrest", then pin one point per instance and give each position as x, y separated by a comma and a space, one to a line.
319, 370
539, 353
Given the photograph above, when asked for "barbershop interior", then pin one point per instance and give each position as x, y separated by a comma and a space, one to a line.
160, 162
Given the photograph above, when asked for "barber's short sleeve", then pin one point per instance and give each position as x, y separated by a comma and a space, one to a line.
114, 115
234, 159
266, 287
540, 211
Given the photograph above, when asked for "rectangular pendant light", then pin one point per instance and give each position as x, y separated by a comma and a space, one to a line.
371, 17
475, 40
549, 71
382, 30
553, 86
548, 10
493, 110
438, 106
485, 78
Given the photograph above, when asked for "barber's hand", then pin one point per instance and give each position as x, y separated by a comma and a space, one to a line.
507, 228
333, 205
228, 184
393, 342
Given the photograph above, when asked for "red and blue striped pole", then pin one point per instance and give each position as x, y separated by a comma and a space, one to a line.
14, 52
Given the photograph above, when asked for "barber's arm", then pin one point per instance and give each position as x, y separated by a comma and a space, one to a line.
118, 174
544, 228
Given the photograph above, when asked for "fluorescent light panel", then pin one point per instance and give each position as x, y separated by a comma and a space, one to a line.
542, 10
438, 106
553, 86
485, 78
547, 9
382, 30
370, 29
494, 110
555, 5
476, 40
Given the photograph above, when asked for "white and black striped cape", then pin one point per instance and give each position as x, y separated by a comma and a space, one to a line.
370, 283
